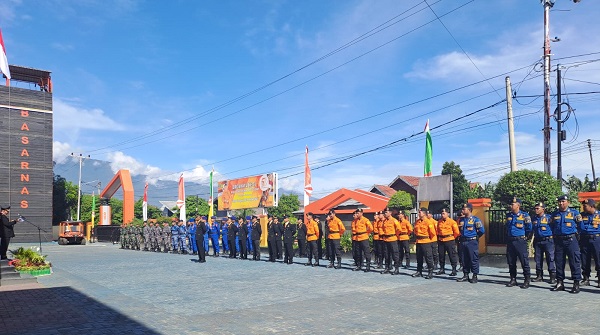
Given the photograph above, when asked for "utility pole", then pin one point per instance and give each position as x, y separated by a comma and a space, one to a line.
592, 160
511, 127
559, 131
547, 5
81, 158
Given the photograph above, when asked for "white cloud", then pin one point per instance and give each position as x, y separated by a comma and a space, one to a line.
62, 46
7, 10
60, 151
119, 160
71, 118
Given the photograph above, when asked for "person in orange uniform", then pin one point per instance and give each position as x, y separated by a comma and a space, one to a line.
426, 238
447, 233
377, 242
390, 229
336, 229
436, 256
362, 227
312, 235
403, 239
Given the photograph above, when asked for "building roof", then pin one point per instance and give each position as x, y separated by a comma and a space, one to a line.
27, 74
384, 190
369, 202
167, 204
409, 180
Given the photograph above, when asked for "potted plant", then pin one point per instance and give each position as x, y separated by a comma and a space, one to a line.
31, 262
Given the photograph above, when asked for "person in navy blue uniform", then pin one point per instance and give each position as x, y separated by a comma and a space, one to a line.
590, 240
200, 233
243, 238
182, 237
518, 230
214, 232
543, 244
174, 236
191, 232
232, 231
224, 234
470, 232
565, 222
278, 238
272, 229
256, 234
249, 238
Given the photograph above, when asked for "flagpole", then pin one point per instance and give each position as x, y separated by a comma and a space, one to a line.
211, 198
308, 189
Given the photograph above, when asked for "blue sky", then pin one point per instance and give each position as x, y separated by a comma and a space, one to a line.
164, 87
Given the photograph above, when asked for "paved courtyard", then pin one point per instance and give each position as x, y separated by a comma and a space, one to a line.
101, 289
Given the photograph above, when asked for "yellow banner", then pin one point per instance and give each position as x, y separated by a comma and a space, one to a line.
248, 192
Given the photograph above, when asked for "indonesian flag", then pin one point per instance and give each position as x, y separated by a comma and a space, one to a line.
428, 151
145, 203
3, 60
181, 199
211, 199
308, 189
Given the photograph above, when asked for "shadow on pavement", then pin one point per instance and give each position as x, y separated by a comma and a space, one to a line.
61, 310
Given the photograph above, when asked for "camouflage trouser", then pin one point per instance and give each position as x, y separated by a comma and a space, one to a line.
146, 242
138, 242
122, 239
165, 243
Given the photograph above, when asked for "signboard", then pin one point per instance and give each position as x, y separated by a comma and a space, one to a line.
248, 192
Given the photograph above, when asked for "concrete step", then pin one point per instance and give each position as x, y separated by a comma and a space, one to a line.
10, 276
18, 281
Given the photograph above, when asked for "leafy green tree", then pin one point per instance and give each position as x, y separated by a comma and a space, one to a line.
153, 211
401, 200
287, 204
528, 185
60, 202
460, 186
116, 207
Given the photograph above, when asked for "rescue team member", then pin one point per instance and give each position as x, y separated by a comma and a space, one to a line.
590, 240
182, 237
289, 230
243, 238
447, 233
312, 235
174, 236
272, 229
543, 244
191, 234
278, 240
403, 239
472, 229
301, 236
256, 233
336, 229
362, 227
518, 228
434, 249
224, 234
232, 231
146, 232
214, 233
165, 237
249, 238
389, 233
355, 254
377, 252
459, 217
320, 237
426, 237
201, 229
564, 226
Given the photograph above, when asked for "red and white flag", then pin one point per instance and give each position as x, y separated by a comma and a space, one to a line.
308, 189
181, 199
3, 60
145, 203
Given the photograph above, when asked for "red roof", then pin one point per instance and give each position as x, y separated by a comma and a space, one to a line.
386, 190
372, 202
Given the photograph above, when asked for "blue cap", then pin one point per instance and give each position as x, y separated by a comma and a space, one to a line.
203, 217
590, 202
515, 200
248, 217
192, 220
562, 197
468, 206
233, 218
213, 217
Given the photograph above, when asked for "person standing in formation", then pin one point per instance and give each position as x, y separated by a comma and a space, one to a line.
565, 222
390, 228
243, 238
543, 244
472, 230
256, 233
403, 239
426, 241
289, 230
199, 232
336, 229
312, 235
590, 241
447, 233
301, 236
362, 227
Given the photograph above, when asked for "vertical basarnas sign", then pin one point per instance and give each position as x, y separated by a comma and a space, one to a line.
26, 176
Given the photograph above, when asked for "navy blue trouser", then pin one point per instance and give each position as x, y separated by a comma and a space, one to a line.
544, 249
590, 247
517, 249
470, 252
567, 248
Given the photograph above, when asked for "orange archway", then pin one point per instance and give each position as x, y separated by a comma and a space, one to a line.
122, 179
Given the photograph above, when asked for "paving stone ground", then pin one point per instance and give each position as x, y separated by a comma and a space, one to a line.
101, 289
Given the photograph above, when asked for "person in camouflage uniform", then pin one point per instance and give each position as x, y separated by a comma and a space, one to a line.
157, 237
146, 232
139, 239
166, 237
122, 236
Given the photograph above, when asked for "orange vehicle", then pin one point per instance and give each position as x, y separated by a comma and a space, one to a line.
71, 232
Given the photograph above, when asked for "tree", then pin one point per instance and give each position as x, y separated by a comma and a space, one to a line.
287, 205
153, 211
528, 185
60, 202
460, 186
574, 185
401, 200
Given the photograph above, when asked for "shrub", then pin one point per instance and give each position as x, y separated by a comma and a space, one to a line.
28, 259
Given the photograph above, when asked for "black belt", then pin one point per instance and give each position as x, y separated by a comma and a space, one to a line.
590, 236
468, 238
354, 234
544, 238
387, 235
334, 231
421, 237
515, 238
565, 237
310, 234
444, 236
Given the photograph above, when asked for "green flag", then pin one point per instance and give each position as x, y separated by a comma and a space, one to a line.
428, 151
211, 199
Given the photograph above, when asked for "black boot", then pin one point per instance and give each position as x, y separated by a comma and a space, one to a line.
465, 277
396, 270
560, 286
339, 263
539, 276
316, 263
552, 277
526, 283
474, 279
330, 265
308, 264
453, 273
442, 271
575, 288
429, 274
357, 268
598, 276
368, 268
417, 274
387, 269
585, 281
512, 282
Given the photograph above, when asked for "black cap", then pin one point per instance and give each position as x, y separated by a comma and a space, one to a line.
590, 202
310, 213
562, 197
445, 210
254, 217
359, 210
540, 205
423, 209
5, 208
518, 201
331, 211
468, 206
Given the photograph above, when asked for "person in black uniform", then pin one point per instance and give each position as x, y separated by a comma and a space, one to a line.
271, 239
6, 231
232, 231
243, 236
301, 238
320, 239
255, 236
278, 238
289, 230
201, 229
